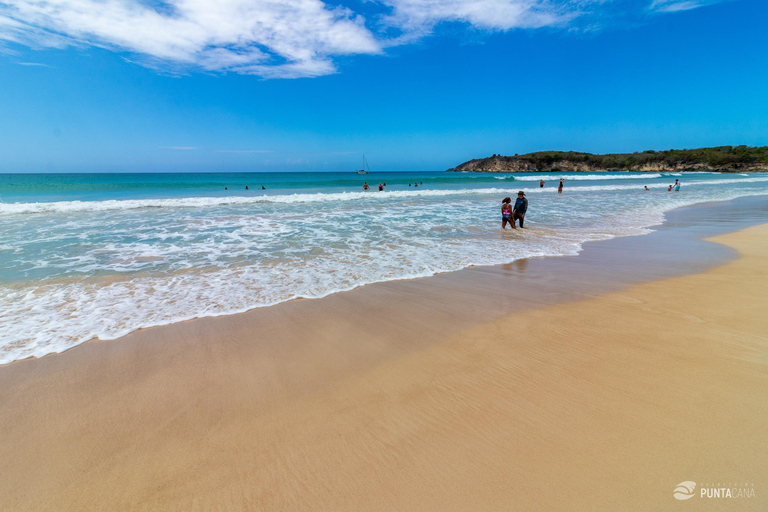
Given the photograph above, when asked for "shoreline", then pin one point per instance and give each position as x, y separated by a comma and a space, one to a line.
673, 213
446, 394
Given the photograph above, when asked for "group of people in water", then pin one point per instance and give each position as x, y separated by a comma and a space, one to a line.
382, 185
246, 188
675, 186
510, 214
559, 186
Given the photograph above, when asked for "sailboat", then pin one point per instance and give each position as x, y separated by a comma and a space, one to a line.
365, 169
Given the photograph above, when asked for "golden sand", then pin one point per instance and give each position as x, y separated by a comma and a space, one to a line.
604, 404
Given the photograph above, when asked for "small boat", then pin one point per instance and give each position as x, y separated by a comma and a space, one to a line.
365, 166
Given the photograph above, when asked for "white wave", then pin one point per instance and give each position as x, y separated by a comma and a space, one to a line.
55, 317
202, 202
586, 177
43, 318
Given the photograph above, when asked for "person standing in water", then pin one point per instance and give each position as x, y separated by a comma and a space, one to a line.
541, 183
521, 206
506, 213
677, 186
560, 186
365, 186
381, 187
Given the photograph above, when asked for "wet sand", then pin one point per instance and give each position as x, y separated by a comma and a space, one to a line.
596, 382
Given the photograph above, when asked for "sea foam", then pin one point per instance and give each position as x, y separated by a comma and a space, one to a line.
78, 270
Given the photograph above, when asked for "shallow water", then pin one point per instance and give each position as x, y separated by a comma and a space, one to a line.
84, 256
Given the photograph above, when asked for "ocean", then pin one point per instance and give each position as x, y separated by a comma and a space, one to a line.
86, 256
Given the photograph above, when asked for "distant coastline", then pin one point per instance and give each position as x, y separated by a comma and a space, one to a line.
714, 159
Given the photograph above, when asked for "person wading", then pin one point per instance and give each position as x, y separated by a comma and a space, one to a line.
521, 206
506, 213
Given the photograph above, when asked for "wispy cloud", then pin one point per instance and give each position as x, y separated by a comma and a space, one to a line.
178, 148
36, 64
680, 5
418, 17
243, 151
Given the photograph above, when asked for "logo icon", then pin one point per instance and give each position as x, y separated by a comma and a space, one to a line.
684, 490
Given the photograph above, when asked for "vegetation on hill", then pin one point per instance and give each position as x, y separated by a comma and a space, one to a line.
721, 158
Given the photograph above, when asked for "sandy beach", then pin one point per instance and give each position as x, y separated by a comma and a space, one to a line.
592, 383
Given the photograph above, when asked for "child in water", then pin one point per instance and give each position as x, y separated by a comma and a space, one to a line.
506, 213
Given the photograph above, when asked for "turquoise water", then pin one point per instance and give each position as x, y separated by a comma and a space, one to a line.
100, 255
95, 187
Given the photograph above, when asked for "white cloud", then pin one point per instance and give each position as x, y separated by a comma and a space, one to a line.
418, 17
268, 38
679, 5
33, 64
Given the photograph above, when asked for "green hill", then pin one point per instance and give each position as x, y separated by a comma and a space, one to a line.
721, 158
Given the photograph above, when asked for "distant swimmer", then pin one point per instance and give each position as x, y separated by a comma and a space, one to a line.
262, 188
365, 186
381, 187
421, 183
646, 187
560, 186
521, 206
225, 188
541, 183
506, 213
415, 185
246, 187
409, 184
669, 189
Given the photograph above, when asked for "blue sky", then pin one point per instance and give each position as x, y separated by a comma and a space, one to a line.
302, 85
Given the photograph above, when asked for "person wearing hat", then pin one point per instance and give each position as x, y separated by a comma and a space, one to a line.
521, 206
